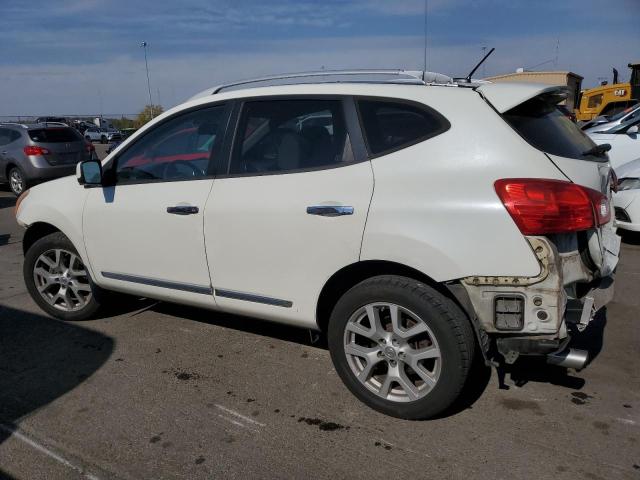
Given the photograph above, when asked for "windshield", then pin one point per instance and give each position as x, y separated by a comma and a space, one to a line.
624, 112
542, 124
622, 127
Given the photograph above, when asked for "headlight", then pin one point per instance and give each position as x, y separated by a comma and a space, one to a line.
19, 201
628, 184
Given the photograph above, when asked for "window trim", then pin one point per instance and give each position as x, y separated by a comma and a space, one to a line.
444, 126
112, 165
351, 124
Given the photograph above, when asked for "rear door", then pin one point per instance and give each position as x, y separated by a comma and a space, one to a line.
291, 210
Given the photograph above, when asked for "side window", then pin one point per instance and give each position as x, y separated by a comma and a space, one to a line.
5, 136
289, 135
390, 125
179, 149
594, 101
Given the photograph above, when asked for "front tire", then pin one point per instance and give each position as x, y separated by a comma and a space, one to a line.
58, 281
401, 347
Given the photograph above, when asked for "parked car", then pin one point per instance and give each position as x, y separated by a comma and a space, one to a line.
113, 136
231, 202
95, 134
113, 146
599, 124
624, 141
52, 120
626, 200
30, 154
126, 132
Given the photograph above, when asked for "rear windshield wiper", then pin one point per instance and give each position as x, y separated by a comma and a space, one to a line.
598, 150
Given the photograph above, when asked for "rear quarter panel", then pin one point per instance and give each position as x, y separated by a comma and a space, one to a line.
434, 207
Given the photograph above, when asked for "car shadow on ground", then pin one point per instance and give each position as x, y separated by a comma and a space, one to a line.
42, 359
630, 238
535, 369
479, 376
7, 202
525, 370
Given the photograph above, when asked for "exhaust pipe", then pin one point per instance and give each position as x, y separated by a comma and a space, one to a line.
569, 358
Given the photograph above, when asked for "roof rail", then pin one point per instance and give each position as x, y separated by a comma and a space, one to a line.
15, 124
415, 77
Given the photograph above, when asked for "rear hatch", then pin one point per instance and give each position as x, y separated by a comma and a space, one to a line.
531, 110
64, 145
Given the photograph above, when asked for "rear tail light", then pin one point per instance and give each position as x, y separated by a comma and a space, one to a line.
540, 206
90, 148
35, 150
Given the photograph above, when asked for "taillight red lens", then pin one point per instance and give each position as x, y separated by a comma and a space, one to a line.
35, 150
541, 206
90, 148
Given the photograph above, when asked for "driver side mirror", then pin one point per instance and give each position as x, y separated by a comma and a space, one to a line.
89, 173
632, 130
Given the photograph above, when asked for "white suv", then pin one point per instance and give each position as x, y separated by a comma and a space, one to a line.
420, 225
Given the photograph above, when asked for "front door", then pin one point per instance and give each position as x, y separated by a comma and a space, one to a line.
291, 211
145, 234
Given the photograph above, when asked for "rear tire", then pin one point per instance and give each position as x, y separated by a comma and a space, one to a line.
415, 361
17, 181
103, 139
58, 281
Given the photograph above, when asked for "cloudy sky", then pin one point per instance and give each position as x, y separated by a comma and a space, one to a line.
84, 56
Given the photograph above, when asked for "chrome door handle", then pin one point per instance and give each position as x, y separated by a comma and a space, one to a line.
183, 210
330, 210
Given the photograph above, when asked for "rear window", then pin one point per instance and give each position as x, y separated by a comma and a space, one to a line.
390, 126
542, 124
54, 135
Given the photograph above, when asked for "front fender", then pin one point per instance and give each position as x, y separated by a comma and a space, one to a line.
59, 203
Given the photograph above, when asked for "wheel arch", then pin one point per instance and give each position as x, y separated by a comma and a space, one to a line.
8, 167
35, 232
347, 277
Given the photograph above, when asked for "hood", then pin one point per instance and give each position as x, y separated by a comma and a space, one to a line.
506, 95
629, 170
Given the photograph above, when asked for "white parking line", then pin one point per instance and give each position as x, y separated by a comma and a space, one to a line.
23, 438
239, 415
231, 420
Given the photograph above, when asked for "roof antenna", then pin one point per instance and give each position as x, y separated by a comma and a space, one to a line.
468, 77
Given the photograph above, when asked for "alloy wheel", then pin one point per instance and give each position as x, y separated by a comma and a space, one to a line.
392, 352
62, 280
16, 181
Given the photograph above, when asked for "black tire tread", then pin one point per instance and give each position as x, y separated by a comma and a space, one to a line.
446, 308
57, 238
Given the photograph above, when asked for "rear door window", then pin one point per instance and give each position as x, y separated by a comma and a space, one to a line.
54, 135
391, 125
541, 124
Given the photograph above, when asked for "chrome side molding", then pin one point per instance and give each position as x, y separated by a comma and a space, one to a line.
250, 297
154, 282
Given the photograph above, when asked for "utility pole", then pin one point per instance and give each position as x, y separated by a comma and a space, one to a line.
146, 64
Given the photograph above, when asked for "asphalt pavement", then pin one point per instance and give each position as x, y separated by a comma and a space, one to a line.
154, 390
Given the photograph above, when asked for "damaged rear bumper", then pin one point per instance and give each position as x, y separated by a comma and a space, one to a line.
533, 315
